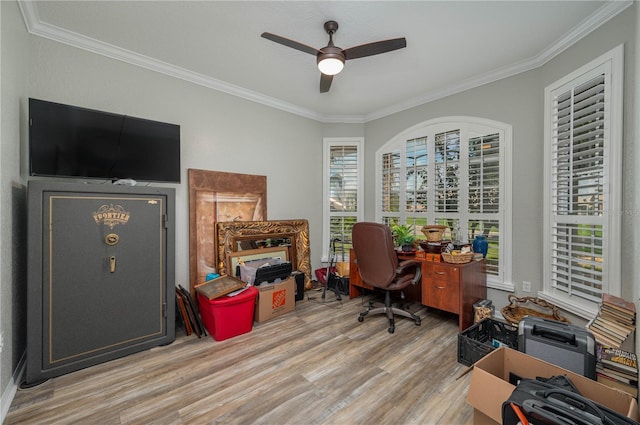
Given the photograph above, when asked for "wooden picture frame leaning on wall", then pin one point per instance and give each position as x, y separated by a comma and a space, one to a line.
219, 287
216, 196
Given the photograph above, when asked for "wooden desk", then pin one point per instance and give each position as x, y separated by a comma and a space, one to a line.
444, 286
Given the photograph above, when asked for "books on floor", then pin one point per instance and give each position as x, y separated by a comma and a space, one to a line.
616, 320
618, 369
614, 330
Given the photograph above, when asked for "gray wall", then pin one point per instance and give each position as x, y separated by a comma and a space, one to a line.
621, 30
493, 101
224, 133
13, 65
518, 101
218, 131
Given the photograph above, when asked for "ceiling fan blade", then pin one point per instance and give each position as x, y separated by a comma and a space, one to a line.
290, 43
374, 48
325, 82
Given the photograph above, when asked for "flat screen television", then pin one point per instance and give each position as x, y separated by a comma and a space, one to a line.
69, 141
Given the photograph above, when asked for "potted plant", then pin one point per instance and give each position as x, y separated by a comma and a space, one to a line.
404, 237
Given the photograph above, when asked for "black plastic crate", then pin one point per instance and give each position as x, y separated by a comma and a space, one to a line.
482, 338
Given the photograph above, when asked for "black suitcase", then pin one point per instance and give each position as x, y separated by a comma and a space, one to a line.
538, 402
561, 344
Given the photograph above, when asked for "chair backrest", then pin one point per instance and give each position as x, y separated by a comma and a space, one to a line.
375, 254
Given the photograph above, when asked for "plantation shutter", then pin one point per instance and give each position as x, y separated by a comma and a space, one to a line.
484, 195
578, 197
416, 175
484, 174
390, 187
343, 191
447, 171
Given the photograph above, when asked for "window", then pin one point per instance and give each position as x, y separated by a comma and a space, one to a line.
342, 193
453, 171
583, 121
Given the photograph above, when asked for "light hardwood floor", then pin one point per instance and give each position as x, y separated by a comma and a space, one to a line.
318, 365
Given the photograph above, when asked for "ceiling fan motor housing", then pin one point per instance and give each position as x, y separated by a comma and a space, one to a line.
330, 52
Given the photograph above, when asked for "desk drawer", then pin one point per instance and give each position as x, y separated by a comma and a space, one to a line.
437, 271
441, 294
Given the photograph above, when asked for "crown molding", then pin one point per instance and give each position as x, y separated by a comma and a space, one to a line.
70, 38
30, 14
36, 27
597, 19
609, 10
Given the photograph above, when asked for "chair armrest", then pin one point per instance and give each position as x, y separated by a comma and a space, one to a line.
407, 264
404, 265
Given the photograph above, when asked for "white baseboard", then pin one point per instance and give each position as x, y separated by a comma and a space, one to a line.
12, 387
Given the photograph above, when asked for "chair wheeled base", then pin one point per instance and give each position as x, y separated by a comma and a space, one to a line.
390, 311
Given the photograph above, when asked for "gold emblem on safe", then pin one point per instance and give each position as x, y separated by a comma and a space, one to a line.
110, 215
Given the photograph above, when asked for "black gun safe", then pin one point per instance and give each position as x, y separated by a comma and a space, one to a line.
101, 274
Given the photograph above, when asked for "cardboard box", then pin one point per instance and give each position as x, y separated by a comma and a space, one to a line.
490, 386
275, 299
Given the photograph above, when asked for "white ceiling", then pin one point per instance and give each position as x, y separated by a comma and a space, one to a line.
451, 45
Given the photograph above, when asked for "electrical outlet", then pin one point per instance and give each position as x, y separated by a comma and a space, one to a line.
526, 286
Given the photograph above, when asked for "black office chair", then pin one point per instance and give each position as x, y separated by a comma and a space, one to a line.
379, 267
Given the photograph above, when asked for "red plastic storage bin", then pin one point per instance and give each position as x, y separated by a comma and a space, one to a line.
227, 317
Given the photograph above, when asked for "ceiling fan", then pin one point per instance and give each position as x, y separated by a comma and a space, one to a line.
331, 58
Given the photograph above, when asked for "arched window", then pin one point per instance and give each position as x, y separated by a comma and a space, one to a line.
454, 171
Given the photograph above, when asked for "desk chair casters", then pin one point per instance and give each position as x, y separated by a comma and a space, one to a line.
390, 311
379, 267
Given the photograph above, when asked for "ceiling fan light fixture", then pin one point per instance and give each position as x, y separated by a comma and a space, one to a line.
330, 59
330, 65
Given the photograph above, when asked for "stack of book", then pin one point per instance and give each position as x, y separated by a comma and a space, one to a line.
615, 321
617, 368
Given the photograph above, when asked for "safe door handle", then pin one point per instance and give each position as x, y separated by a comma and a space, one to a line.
112, 264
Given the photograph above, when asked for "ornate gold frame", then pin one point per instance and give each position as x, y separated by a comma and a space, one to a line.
229, 233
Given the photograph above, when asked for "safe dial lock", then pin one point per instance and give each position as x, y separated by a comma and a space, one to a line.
111, 239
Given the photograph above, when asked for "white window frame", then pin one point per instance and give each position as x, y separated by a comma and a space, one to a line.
503, 281
612, 64
327, 144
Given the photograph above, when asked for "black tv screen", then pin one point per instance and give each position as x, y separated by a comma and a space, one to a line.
69, 141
